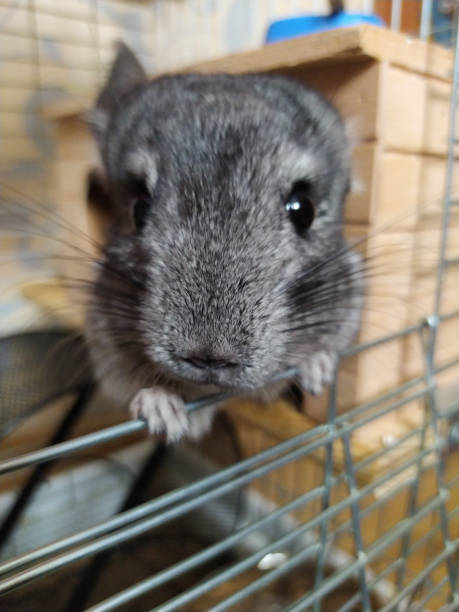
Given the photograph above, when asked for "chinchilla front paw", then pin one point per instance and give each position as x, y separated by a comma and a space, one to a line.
317, 372
164, 412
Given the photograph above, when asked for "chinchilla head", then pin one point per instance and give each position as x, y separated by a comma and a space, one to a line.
225, 261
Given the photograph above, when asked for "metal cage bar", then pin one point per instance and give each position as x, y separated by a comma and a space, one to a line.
325, 502
356, 528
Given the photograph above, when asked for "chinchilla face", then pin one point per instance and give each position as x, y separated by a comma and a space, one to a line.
225, 262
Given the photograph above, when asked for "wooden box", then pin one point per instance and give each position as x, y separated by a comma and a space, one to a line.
393, 89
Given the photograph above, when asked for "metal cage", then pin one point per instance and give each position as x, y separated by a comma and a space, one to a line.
335, 528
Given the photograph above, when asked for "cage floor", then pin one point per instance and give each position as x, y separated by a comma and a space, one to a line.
174, 542
149, 555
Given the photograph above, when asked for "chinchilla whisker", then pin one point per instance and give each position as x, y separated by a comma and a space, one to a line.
74, 283
369, 267
112, 273
386, 309
20, 221
128, 312
313, 325
119, 304
376, 325
67, 308
53, 238
378, 310
78, 307
331, 264
84, 255
352, 245
315, 295
93, 262
52, 215
84, 287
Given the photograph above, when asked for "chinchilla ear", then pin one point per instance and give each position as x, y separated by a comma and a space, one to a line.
125, 74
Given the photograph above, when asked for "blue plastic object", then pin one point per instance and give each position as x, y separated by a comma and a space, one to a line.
283, 29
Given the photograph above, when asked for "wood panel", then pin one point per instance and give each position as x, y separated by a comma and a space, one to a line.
354, 88
414, 112
342, 44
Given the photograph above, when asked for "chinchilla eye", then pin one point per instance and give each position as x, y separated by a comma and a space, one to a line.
141, 208
139, 197
300, 207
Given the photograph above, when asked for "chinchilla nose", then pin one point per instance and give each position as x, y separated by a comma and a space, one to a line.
207, 360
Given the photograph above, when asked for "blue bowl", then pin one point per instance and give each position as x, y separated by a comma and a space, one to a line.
283, 29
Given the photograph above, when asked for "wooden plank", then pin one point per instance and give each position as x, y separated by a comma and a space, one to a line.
406, 52
69, 54
12, 125
414, 112
70, 8
343, 44
362, 204
66, 108
403, 110
140, 41
393, 189
337, 46
366, 375
76, 81
15, 98
385, 431
65, 29
354, 88
448, 380
17, 21
80, 239
80, 81
23, 149
18, 75
74, 143
279, 421
427, 239
18, 47
413, 182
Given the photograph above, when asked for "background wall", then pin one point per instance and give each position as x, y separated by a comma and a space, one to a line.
50, 49
53, 49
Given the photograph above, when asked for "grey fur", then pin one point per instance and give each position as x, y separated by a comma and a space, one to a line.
217, 265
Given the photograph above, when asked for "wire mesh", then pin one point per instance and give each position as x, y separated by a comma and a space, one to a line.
345, 513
